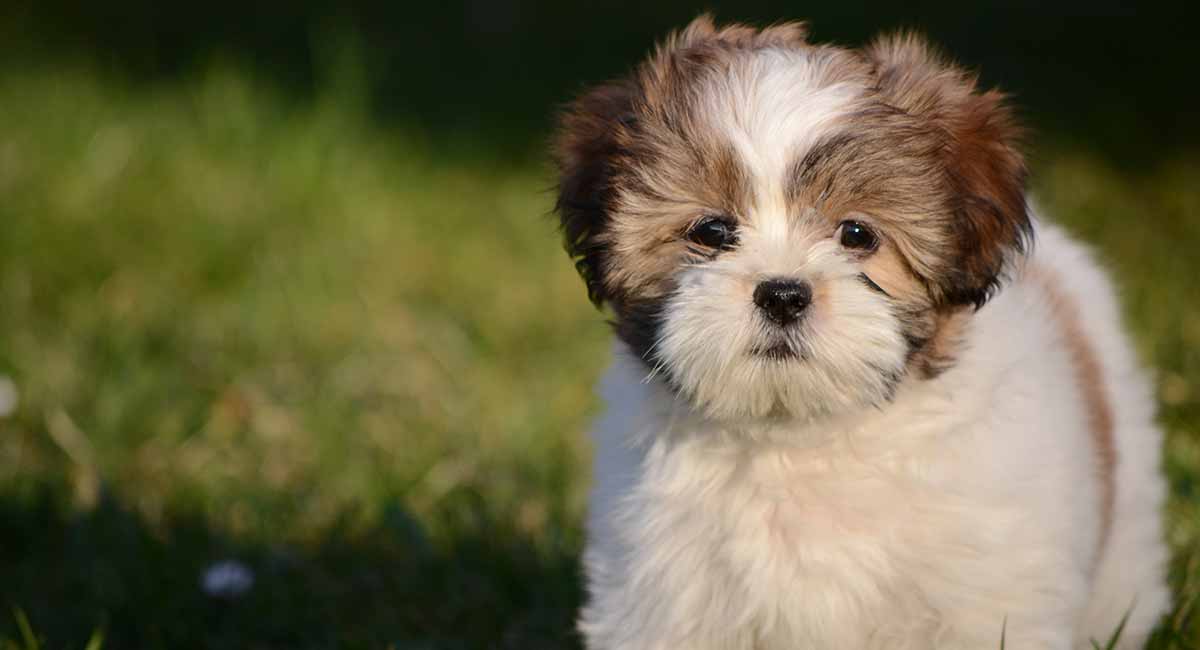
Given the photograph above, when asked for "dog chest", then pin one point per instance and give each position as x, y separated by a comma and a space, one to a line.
777, 539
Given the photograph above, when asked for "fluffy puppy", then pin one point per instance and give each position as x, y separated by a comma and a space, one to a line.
852, 405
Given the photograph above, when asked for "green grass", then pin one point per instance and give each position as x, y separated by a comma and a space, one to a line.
355, 358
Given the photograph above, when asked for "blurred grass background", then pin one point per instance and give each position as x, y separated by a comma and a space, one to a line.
279, 285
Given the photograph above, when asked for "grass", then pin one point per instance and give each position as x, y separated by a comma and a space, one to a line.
354, 359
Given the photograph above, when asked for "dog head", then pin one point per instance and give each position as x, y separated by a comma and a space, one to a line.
784, 229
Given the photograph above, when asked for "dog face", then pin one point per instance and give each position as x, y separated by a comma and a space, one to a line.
788, 230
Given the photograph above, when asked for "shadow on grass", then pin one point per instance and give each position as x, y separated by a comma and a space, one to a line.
386, 586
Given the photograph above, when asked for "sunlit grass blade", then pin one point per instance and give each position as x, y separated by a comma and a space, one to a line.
1116, 635
28, 638
96, 641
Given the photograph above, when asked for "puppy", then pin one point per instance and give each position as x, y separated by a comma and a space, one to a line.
853, 405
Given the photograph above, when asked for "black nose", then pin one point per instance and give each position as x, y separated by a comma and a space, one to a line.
782, 301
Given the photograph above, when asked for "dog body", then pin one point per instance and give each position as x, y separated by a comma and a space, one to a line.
974, 502
832, 422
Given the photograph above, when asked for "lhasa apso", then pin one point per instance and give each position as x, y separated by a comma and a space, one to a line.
862, 396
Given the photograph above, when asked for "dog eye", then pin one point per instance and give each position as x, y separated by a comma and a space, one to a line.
713, 232
857, 236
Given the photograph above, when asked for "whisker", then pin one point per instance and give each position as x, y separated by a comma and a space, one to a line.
659, 364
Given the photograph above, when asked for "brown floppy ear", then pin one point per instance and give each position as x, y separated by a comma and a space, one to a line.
586, 147
988, 222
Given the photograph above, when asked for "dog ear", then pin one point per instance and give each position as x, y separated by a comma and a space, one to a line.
985, 170
586, 147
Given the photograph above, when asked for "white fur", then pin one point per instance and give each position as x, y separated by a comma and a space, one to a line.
777, 107
967, 505
711, 323
801, 505
772, 113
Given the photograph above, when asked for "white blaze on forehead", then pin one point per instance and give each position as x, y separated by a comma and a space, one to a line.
774, 108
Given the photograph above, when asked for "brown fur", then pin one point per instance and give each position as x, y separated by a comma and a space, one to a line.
1089, 376
885, 165
933, 333
928, 161
585, 150
663, 191
984, 170
937, 353
638, 164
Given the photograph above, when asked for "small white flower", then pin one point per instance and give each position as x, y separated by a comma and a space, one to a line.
8, 396
227, 579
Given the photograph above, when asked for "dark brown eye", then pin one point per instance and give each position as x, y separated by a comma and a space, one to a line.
857, 236
713, 232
